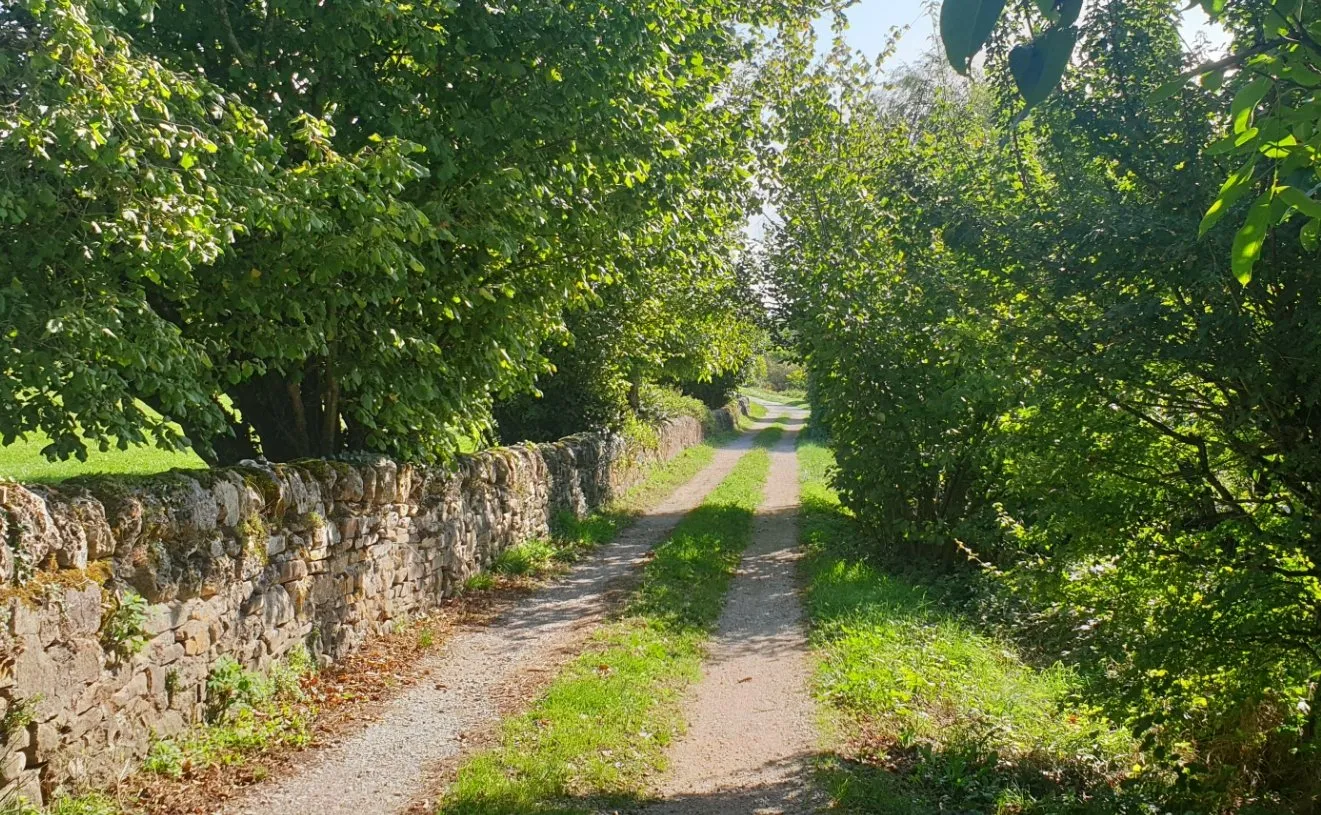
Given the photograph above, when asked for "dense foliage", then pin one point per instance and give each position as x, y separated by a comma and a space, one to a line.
294, 228
678, 316
1031, 356
774, 371
1271, 128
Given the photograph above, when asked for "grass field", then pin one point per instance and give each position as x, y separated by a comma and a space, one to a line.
792, 398
23, 461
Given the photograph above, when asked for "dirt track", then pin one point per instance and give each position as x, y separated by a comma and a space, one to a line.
751, 731
382, 767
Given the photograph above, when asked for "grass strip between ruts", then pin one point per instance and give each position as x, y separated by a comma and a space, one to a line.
604, 723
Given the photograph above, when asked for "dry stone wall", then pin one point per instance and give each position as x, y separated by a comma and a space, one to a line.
248, 562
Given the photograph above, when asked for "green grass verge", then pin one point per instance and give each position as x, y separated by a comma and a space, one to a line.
757, 410
23, 461
605, 721
936, 715
792, 398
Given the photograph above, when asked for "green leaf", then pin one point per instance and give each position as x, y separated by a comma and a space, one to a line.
1233, 189
1212, 80
1167, 90
1245, 102
1037, 66
965, 26
1300, 201
1309, 235
1250, 236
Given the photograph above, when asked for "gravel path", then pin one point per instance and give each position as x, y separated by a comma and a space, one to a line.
381, 768
753, 719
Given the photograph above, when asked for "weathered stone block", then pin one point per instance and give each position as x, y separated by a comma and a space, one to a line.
82, 610
135, 688
11, 766
290, 570
194, 636
278, 607
86, 664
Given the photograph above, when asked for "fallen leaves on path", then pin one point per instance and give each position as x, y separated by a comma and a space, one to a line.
340, 700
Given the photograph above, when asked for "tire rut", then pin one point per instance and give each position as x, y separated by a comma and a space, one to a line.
752, 732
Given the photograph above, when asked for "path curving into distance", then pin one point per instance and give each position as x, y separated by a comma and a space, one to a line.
383, 767
751, 718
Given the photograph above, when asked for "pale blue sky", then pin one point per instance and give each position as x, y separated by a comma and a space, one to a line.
870, 22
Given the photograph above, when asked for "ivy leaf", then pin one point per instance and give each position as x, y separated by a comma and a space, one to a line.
1037, 66
965, 26
1248, 241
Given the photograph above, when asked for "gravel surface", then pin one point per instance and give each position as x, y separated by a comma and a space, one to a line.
381, 768
752, 716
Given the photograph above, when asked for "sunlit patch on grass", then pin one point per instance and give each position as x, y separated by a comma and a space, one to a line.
936, 714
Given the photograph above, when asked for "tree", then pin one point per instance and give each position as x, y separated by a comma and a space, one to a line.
358, 226
121, 177
1032, 364
1272, 122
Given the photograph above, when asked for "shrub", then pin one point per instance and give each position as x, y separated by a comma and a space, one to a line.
780, 375
123, 632
658, 403
229, 685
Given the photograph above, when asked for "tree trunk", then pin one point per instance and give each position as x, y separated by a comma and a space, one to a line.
290, 417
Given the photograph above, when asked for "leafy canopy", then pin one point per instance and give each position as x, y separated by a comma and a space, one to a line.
292, 229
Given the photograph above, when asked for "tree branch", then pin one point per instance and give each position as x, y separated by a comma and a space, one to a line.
239, 54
